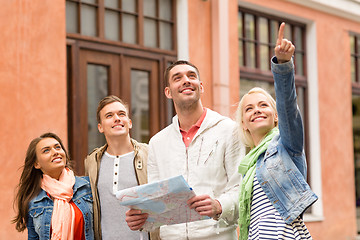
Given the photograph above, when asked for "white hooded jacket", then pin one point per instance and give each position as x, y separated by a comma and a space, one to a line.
209, 165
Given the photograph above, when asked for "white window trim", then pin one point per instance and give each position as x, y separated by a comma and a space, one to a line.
182, 29
313, 109
349, 9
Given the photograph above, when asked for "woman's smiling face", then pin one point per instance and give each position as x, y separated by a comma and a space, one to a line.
50, 157
258, 115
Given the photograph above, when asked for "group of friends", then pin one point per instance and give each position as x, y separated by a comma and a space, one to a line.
259, 195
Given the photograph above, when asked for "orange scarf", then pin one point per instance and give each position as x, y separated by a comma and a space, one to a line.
63, 216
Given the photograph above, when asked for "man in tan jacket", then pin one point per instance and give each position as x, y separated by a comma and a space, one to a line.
121, 163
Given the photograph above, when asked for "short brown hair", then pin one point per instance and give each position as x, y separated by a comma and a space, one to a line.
107, 100
179, 62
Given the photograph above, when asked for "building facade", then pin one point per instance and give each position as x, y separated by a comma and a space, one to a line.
60, 57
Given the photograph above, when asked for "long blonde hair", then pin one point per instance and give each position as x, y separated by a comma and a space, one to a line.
245, 134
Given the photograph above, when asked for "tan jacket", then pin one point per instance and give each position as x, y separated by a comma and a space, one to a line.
92, 166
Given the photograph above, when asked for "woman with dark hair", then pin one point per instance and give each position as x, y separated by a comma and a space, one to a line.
51, 202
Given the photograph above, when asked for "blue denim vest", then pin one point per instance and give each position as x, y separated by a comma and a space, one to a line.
281, 170
41, 207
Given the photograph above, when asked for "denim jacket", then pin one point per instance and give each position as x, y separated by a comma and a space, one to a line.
41, 207
281, 170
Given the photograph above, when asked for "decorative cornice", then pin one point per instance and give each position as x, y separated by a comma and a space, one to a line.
349, 9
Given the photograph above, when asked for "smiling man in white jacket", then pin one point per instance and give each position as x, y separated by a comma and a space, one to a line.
203, 146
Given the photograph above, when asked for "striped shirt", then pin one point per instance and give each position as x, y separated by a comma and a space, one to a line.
266, 222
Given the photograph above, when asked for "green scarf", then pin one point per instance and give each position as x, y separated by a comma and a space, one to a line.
248, 167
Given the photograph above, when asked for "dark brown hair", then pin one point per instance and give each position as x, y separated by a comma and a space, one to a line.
179, 62
107, 100
30, 180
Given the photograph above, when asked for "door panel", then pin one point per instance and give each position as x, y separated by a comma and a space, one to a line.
135, 80
140, 89
98, 77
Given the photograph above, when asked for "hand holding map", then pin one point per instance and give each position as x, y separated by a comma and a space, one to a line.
164, 201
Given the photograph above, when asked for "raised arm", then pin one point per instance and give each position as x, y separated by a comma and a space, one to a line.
290, 122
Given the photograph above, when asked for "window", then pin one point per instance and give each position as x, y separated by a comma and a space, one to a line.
355, 79
145, 23
355, 61
118, 47
257, 38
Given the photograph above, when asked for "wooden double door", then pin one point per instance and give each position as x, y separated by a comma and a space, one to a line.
136, 80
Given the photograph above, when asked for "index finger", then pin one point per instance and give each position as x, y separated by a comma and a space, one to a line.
281, 33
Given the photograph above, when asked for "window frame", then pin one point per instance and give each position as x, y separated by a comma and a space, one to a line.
301, 81
100, 29
356, 56
266, 76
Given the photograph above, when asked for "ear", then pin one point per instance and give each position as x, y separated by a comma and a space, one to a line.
276, 119
130, 124
167, 93
37, 165
100, 128
201, 88
243, 126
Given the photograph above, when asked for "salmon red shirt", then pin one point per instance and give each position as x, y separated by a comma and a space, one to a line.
189, 135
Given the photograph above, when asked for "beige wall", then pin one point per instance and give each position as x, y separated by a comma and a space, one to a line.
32, 88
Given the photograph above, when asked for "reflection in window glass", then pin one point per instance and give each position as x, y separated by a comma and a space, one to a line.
274, 27
240, 34
165, 9
150, 33
355, 59
301, 100
250, 54
249, 26
298, 39
140, 106
88, 20
89, 1
264, 57
241, 56
287, 32
129, 29
128, 5
299, 68
165, 36
356, 136
358, 70
97, 88
353, 75
112, 25
71, 17
240, 26
111, 4
263, 30
150, 8
352, 44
